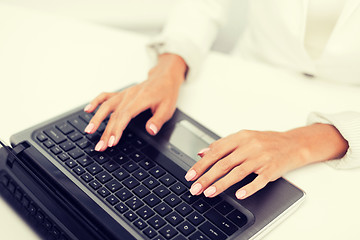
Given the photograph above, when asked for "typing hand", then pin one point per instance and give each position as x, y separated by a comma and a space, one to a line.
268, 154
158, 93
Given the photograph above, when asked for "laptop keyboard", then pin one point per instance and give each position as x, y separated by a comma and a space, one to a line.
140, 184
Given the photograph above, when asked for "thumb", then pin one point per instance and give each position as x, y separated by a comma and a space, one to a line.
161, 115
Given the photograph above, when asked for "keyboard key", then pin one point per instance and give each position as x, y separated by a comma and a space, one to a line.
104, 177
71, 163
121, 174
238, 218
145, 212
198, 236
168, 180
56, 150
127, 149
221, 222
113, 185
65, 128
83, 143
75, 136
94, 169
174, 218
162, 191
141, 191
184, 209
55, 135
87, 177
168, 232
178, 188
76, 153
186, 228
63, 157
162, 209
189, 198
224, 207
78, 170
67, 146
85, 161
123, 194
150, 232
86, 116
146, 164
156, 222
95, 137
140, 174
152, 200
112, 200
111, 166
140, 224
48, 143
212, 232
201, 206
137, 156
172, 200
134, 203
121, 207
151, 182
101, 158
130, 215
130, 166
95, 185
157, 172
41, 137
90, 151
121, 158
79, 124
103, 192
131, 182
195, 218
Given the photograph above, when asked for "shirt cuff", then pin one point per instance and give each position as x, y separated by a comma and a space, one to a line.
348, 124
191, 54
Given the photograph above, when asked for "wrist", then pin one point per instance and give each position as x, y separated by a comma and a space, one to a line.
170, 65
319, 142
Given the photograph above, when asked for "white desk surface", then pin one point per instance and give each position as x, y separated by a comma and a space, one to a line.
49, 65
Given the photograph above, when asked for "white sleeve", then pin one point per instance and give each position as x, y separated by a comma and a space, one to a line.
189, 32
348, 124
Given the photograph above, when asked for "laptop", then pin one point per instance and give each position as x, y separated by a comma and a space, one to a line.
63, 189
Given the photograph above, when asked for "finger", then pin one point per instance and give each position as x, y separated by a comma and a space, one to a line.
160, 116
114, 129
218, 170
118, 121
105, 109
258, 183
216, 151
97, 101
234, 176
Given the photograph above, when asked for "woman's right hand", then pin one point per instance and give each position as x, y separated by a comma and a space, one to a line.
159, 93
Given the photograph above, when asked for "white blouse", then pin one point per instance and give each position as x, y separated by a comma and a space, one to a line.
318, 37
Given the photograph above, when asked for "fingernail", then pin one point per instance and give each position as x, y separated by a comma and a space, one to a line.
153, 128
111, 141
87, 108
190, 175
203, 151
196, 189
89, 128
240, 194
210, 191
99, 145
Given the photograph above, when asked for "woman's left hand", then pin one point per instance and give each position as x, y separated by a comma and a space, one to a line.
268, 154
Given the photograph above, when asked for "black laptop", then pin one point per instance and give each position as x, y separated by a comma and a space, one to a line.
54, 179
